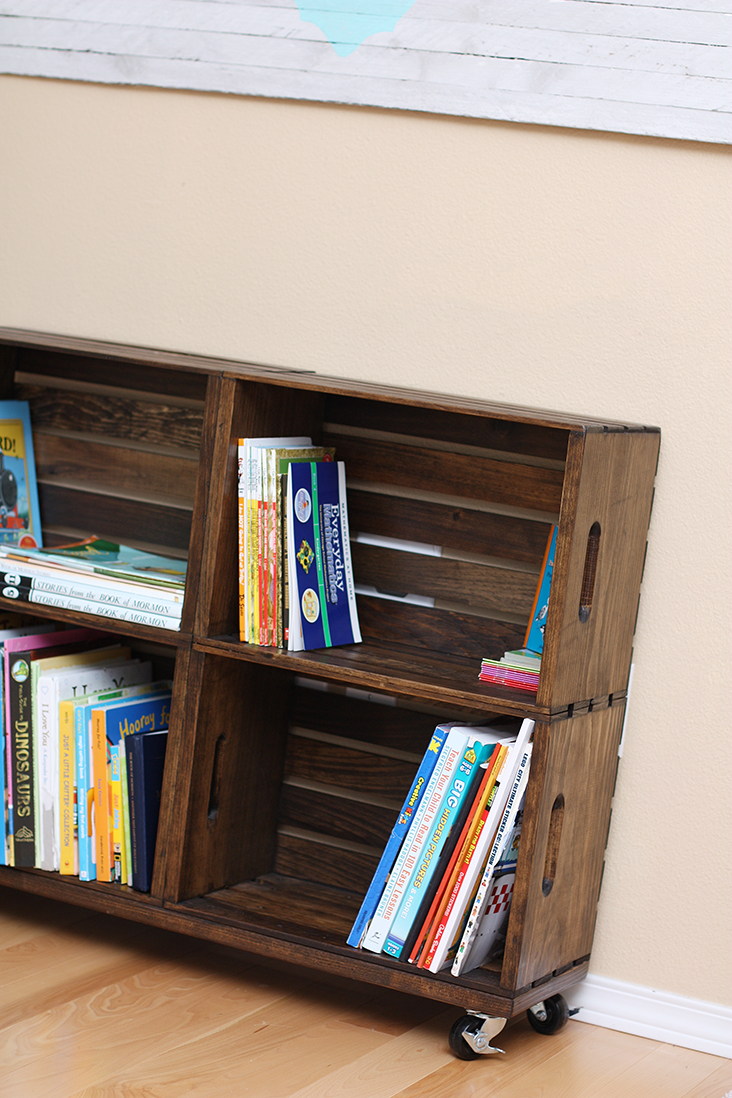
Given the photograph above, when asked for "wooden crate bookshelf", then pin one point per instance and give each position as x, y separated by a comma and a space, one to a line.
285, 770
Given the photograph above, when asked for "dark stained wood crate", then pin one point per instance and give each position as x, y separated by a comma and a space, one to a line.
285, 771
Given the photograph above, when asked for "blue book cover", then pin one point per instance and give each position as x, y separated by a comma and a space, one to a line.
322, 592
394, 842
84, 769
534, 639
461, 785
145, 755
20, 517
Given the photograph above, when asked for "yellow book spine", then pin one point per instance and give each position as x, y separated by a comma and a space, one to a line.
69, 849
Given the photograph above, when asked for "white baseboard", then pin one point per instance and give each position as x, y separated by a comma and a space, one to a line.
690, 1023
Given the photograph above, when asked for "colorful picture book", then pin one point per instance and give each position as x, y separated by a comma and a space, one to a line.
20, 519
453, 833
71, 698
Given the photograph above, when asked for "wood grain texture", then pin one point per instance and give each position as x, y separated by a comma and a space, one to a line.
162, 1015
633, 68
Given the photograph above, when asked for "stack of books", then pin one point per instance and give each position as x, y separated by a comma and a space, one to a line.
97, 577
296, 586
519, 668
82, 747
440, 894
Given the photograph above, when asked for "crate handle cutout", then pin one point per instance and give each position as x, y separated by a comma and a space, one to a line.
590, 572
213, 800
552, 845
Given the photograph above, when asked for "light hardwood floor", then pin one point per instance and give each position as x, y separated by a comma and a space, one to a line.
94, 1007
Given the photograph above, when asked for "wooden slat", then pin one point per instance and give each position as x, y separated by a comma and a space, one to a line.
480, 586
102, 369
311, 861
339, 817
450, 525
441, 631
333, 764
503, 482
386, 725
149, 422
472, 430
119, 520
137, 474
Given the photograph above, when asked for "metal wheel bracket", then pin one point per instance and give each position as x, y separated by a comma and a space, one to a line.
480, 1039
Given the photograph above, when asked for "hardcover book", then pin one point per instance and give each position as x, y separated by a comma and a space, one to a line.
20, 518
145, 754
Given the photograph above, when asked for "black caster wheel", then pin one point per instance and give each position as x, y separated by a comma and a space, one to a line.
467, 1024
550, 1015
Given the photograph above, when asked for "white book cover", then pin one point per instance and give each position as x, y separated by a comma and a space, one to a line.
400, 876
54, 687
504, 783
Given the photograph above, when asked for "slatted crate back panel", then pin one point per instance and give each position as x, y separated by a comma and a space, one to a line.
116, 452
349, 764
451, 511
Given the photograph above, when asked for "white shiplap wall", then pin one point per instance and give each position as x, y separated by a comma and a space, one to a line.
656, 67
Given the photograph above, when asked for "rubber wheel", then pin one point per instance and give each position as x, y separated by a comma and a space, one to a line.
557, 1015
466, 1024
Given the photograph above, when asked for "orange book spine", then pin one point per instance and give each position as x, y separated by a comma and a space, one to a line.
101, 796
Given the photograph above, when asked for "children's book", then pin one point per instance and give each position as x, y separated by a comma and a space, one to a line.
145, 769
323, 609
403, 821
428, 941
6, 777
111, 722
452, 930
249, 490
45, 676
75, 688
456, 793
466, 956
20, 516
82, 708
458, 738
106, 558
534, 639
18, 652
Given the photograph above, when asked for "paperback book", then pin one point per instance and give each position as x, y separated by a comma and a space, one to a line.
323, 609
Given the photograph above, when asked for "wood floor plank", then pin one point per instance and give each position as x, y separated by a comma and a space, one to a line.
109, 1031
386, 1071
92, 1006
667, 1072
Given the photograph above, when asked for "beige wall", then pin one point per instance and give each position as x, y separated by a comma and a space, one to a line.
563, 269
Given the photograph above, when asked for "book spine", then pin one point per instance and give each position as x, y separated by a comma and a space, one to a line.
18, 686
68, 854
405, 863
95, 588
506, 823
127, 864
242, 539
45, 731
455, 793
404, 819
101, 795
4, 852
105, 610
84, 796
117, 825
